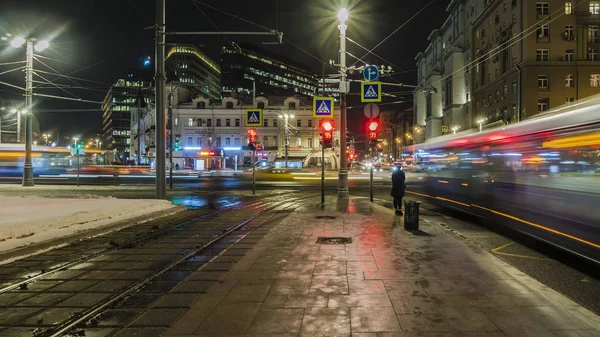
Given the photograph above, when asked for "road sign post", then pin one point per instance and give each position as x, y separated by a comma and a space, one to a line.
254, 172
371, 183
371, 73
322, 176
370, 92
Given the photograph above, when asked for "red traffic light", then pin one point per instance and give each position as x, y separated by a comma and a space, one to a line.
327, 126
373, 126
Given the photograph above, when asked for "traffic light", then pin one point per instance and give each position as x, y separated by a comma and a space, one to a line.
177, 146
327, 135
206, 89
147, 61
373, 130
252, 136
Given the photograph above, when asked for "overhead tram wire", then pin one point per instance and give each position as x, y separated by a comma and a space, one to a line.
11, 70
11, 63
397, 29
63, 89
532, 29
263, 27
69, 79
211, 21
378, 56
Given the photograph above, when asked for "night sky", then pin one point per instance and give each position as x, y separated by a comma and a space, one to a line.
101, 41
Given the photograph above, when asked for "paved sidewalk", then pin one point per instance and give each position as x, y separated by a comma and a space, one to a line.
387, 282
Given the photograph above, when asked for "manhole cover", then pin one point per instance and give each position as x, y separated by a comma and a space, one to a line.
325, 217
333, 240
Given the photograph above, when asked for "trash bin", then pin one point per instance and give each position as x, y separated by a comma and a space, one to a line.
411, 214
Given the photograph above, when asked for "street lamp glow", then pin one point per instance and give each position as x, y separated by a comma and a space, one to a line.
17, 42
343, 15
41, 45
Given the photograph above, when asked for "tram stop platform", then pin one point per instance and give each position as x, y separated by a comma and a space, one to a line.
386, 282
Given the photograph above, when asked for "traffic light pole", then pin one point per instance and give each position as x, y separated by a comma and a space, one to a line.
253, 171
371, 183
161, 84
171, 145
323, 172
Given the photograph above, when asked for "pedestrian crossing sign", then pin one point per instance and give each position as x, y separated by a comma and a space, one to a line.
323, 107
254, 117
370, 92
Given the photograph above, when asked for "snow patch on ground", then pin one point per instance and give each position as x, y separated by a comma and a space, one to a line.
28, 220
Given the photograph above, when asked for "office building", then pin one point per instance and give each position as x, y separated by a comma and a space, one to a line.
192, 68
244, 67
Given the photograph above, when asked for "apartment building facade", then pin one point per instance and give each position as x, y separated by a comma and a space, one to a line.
532, 56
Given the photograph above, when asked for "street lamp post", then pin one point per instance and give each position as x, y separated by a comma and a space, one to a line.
343, 173
480, 122
286, 117
30, 44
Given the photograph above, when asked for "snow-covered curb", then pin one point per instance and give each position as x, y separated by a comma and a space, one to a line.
29, 220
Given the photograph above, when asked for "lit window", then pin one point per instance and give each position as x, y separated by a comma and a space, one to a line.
190, 122
568, 8
542, 55
593, 33
176, 121
594, 80
594, 7
543, 81
592, 54
227, 141
569, 81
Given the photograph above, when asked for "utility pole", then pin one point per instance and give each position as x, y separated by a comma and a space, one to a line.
161, 83
139, 122
343, 173
170, 117
28, 167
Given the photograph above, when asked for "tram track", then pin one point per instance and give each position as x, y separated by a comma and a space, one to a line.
205, 239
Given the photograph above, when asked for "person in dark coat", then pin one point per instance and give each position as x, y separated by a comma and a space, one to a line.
398, 187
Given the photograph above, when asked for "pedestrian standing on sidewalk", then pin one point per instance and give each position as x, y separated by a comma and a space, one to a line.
398, 187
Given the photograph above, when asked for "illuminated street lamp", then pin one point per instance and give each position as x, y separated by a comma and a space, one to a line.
480, 121
454, 129
286, 117
38, 45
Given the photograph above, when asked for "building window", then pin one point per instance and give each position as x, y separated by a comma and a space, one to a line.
227, 142
275, 122
292, 105
543, 8
200, 105
299, 123
189, 141
229, 105
592, 54
218, 122
190, 122
594, 80
569, 55
569, 99
176, 121
505, 90
227, 122
569, 81
275, 141
209, 122
265, 140
594, 7
198, 141
514, 87
543, 104
309, 142
265, 122
237, 142
569, 33
542, 55
448, 91
310, 123
514, 109
217, 141
260, 105
199, 122
593, 33
497, 96
299, 142
543, 82
514, 18
237, 122
543, 32
568, 8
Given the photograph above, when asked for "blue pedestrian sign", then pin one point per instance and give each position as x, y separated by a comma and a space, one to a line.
371, 73
370, 92
254, 117
323, 107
